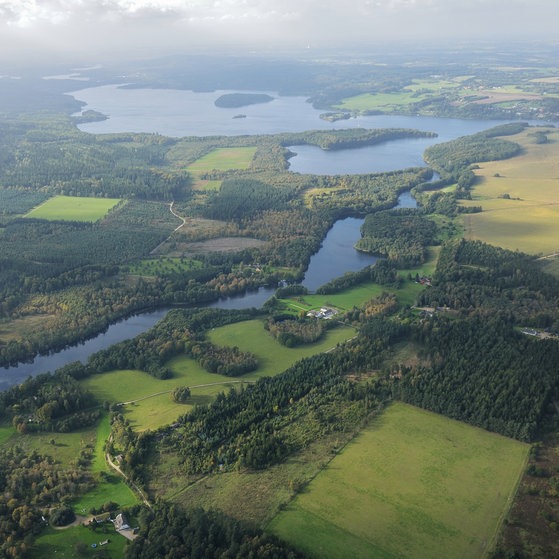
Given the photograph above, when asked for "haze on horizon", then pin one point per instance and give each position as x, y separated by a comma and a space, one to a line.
73, 29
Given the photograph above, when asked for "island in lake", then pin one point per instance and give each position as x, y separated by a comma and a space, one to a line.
235, 100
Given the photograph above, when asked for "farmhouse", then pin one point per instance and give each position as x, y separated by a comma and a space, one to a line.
325, 313
121, 523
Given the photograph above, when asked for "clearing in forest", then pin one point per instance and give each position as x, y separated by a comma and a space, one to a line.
221, 159
73, 208
413, 484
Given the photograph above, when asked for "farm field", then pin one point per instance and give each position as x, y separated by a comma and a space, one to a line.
412, 484
273, 358
152, 406
73, 208
519, 197
221, 159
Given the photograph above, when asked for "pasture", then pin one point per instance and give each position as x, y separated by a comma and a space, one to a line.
73, 208
412, 484
150, 405
221, 159
519, 197
273, 358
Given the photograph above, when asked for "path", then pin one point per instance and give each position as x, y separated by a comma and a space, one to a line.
116, 467
196, 386
183, 220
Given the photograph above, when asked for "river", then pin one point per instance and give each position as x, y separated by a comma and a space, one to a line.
337, 247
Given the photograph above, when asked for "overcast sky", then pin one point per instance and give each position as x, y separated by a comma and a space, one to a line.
37, 27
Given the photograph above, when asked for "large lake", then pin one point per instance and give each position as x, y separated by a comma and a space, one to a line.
180, 113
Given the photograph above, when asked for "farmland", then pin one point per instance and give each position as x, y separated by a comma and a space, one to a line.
412, 484
221, 159
150, 406
73, 208
519, 197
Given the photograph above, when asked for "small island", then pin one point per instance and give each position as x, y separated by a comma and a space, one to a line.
240, 116
333, 117
236, 100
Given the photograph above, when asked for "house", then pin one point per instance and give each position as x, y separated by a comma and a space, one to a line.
121, 523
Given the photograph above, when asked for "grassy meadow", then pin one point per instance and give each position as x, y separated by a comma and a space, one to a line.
412, 484
73, 208
221, 159
519, 197
150, 405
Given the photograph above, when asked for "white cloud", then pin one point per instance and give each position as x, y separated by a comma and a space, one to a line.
137, 24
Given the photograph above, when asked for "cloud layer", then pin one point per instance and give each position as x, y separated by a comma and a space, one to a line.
102, 25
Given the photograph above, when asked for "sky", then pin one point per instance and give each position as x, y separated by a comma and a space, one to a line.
35, 28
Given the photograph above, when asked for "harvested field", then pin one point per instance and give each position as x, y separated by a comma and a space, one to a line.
222, 244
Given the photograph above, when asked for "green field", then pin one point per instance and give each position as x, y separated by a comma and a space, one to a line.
62, 543
167, 265
224, 159
221, 159
273, 358
5, 433
528, 219
413, 484
152, 406
73, 208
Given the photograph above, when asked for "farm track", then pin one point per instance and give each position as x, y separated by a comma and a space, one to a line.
197, 386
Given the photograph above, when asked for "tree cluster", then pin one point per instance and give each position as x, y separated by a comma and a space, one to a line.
168, 531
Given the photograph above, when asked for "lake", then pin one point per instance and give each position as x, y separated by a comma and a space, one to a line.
179, 113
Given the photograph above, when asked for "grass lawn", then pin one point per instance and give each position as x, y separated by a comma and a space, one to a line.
528, 219
112, 488
73, 208
413, 484
62, 543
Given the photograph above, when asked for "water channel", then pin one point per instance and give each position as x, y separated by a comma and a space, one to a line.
185, 113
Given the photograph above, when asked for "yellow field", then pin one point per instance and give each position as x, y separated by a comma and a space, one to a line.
529, 220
